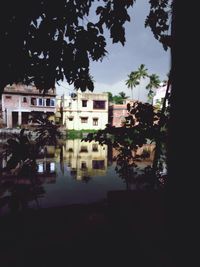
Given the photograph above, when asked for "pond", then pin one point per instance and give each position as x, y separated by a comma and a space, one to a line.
74, 172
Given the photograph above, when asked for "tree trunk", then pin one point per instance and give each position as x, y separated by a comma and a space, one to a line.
158, 141
183, 174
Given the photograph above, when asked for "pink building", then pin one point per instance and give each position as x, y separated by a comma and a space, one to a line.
118, 112
18, 101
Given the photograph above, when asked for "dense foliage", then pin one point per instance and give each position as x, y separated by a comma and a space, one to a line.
44, 41
23, 149
144, 125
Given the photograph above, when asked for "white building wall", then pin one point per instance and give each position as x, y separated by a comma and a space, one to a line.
160, 94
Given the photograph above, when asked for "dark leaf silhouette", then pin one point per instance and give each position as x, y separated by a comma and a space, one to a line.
43, 42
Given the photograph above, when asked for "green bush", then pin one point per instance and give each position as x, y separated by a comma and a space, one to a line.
76, 134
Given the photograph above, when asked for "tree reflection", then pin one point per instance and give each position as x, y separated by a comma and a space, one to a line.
86, 178
128, 168
22, 178
19, 191
145, 126
22, 194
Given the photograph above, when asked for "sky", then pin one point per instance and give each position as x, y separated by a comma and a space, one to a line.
140, 48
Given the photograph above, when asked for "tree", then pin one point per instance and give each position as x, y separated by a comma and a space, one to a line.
159, 20
117, 99
110, 96
123, 95
141, 127
43, 42
154, 82
142, 74
132, 81
135, 76
142, 71
36, 52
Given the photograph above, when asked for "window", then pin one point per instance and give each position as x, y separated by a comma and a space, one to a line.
40, 102
24, 100
98, 164
40, 168
52, 166
95, 121
52, 102
8, 96
48, 102
71, 118
33, 101
84, 149
95, 147
70, 150
99, 104
84, 103
84, 119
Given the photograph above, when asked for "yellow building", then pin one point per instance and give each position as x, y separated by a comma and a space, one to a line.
83, 110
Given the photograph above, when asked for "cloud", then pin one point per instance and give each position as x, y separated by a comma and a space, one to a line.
140, 48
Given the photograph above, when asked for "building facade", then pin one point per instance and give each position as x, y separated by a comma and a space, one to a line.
118, 113
159, 96
19, 101
83, 110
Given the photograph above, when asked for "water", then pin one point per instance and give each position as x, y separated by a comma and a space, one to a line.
75, 172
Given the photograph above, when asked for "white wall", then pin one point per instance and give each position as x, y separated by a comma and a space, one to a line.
160, 93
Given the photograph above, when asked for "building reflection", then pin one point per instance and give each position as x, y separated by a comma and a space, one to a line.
46, 170
21, 191
85, 159
71, 159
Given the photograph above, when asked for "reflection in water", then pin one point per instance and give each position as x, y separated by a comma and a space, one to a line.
74, 172
85, 159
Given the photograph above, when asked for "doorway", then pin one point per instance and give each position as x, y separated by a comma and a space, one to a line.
14, 119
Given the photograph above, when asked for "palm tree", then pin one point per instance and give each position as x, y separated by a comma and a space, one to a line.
132, 81
154, 82
123, 95
141, 73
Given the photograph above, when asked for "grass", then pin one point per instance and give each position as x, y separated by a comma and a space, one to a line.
74, 134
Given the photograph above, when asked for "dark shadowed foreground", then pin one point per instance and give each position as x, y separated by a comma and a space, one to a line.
128, 229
